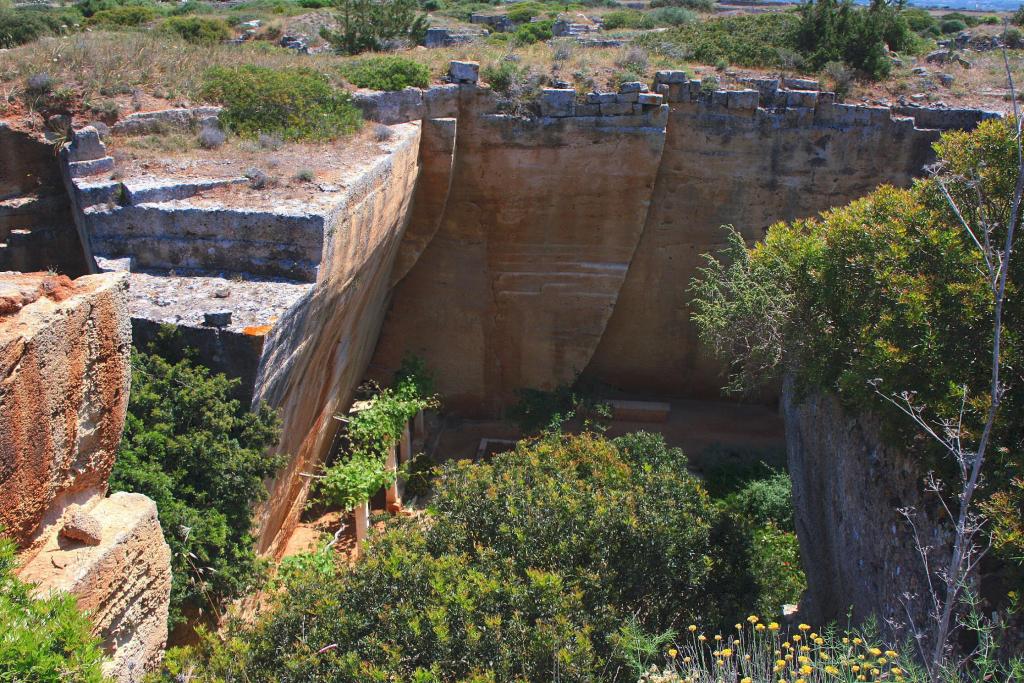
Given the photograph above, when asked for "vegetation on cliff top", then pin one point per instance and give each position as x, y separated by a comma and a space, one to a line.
42, 639
202, 457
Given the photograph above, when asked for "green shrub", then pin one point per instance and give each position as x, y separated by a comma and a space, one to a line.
386, 73
668, 16
524, 571
296, 103
123, 16
24, 25
952, 26
749, 40
372, 24
766, 501
1018, 16
969, 20
837, 30
533, 32
202, 457
918, 19
371, 433
622, 19
45, 639
524, 11
696, 5
888, 288
87, 8
197, 30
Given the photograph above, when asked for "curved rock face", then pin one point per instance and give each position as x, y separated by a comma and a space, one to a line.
64, 377
857, 549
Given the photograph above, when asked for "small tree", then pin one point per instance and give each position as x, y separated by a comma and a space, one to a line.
370, 24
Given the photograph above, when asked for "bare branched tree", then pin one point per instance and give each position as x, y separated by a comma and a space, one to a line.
948, 579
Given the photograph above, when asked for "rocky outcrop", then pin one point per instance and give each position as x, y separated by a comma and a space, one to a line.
64, 377
857, 549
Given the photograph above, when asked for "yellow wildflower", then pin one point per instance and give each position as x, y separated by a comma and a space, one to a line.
759, 627
774, 626
721, 662
819, 641
806, 670
727, 652
874, 652
831, 670
739, 627
804, 627
857, 641
796, 639
803, 660
692, 628
875, 672
896, 671
846, 641
673, 652
747, 679
890, 653
855, 668
882, 661
752, 619
702, 637
781, 663
718, 637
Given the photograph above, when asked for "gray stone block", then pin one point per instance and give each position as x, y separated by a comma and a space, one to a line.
78, 169
670, 77
389, 108
588, 110
441, 101
600, 97
631, 97
649, 99
745, 100
557, 101
802, 84
86, 145
658, 118
217, 318
616, 108
464, 72
632, 86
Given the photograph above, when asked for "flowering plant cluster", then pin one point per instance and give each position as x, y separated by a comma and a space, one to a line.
760, 652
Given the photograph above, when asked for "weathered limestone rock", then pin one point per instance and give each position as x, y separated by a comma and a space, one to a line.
122, 581
79, 525
63, 355
857, 549
390, 108
557, 101
64, 375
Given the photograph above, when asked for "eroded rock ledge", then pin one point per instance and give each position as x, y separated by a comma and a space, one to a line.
64, 376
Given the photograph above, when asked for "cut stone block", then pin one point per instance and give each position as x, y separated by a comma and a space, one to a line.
557, 101
464, 72
632, 86
616, 109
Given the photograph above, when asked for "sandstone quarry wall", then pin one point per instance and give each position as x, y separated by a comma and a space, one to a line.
857, 549
567, 242
64, 380
317, 353
518, 283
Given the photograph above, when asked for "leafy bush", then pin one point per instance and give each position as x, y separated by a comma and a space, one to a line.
696, 5
386, 73
767, 501
837, 30
202, 457
749, 40
371, 433
296, 103
197, 30
889, 287
952, 26
524, 11
123, 16
668, 16
533, 32
524, 571
44, 639
372, 24
622, 19
918, 19
1018, 16
24, 25
87, 8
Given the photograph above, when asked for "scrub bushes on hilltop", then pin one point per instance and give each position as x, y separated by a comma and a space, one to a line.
197, 30
524, 571
202, 457
387, 72
295, 103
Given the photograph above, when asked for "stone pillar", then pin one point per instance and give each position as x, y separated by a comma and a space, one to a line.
392, 494
405, 444
362, 517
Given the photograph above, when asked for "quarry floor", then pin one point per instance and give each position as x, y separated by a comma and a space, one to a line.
708, 432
